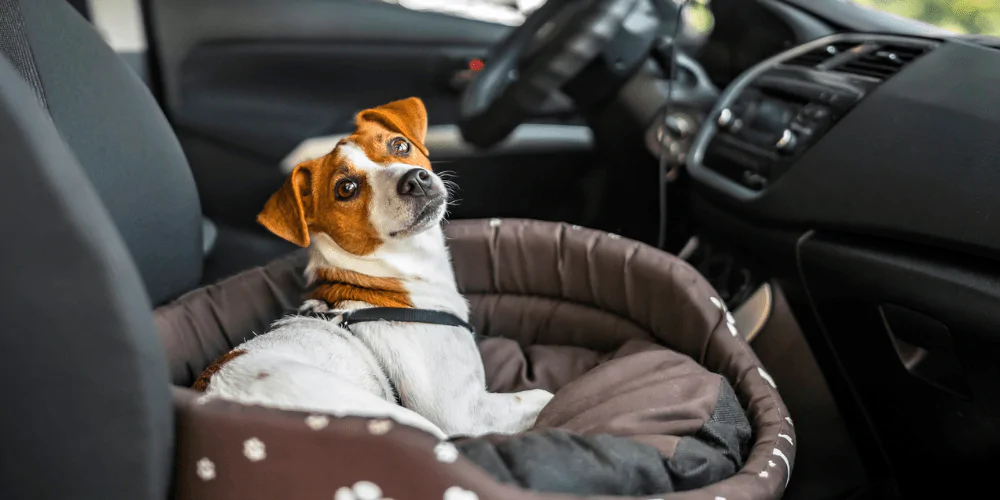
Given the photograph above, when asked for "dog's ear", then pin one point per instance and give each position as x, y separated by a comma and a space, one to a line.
406, 116
288, 212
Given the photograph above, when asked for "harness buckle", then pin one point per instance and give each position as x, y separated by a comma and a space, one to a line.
342, 319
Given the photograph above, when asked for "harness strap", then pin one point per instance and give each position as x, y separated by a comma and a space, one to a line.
398, 314
402, 315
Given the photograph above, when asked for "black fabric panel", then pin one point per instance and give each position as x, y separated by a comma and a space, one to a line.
113, 125
718, 449
696, 464
728, 429
86, 410
560, 461
563, 462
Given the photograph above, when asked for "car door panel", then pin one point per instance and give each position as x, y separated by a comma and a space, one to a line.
246, 82
267, 97
264, 74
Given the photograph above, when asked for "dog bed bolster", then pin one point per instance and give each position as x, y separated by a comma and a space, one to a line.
655, 396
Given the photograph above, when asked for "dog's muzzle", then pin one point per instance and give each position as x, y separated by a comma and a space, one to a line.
424, 197
417, 183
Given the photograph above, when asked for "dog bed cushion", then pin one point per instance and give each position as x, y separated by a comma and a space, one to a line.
641, 420
651, 383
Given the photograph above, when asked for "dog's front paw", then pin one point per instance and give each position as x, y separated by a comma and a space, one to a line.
314, 306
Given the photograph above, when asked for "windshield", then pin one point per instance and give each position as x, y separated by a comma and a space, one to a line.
973, 17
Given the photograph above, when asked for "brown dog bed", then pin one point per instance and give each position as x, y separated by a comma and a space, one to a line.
655, 395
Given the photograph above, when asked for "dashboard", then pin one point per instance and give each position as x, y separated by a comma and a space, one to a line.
774, 113
863, 172
876, 133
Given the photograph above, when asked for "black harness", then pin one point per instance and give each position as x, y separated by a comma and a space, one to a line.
398, 314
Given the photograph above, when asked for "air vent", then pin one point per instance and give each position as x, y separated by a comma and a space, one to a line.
821, 55
883, 61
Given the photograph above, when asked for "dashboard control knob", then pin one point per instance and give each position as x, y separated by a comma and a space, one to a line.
788, 141
679, 125
726, 118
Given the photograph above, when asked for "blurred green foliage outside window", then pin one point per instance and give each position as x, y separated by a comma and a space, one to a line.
974, 17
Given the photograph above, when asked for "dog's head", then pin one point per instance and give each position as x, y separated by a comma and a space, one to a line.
375, 186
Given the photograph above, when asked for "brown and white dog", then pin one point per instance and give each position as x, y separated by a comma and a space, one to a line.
370, 212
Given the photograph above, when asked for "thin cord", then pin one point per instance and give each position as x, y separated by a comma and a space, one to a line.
662, 239
664, 171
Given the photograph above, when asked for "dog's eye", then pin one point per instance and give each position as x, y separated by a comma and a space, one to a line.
400, 146
346, 189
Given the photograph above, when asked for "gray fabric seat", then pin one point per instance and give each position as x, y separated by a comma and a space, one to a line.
113, 125
101, 221
87, 409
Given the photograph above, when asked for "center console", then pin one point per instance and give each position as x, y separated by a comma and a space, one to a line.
773, 122
773, 114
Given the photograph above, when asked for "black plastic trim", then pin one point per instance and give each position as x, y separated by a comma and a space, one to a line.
696, 157
849, 280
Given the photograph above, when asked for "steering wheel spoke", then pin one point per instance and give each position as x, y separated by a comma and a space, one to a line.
555, 51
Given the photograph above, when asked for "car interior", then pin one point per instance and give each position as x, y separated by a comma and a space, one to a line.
825, 167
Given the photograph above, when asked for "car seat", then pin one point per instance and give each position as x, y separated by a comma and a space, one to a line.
103, 225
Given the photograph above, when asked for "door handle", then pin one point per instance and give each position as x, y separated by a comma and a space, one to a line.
925, 348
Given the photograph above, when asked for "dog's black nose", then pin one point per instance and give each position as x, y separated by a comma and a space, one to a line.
416, 182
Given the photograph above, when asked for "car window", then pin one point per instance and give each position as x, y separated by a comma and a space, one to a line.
974, 17
698, 20
510, 12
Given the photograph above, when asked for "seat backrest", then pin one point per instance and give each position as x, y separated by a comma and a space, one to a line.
86, 410
114, 127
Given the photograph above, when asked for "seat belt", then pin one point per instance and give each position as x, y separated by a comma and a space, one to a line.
14, 45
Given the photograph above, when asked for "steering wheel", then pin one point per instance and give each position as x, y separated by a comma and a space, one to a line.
601, 41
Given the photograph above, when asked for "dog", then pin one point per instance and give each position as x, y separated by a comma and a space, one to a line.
370, 212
